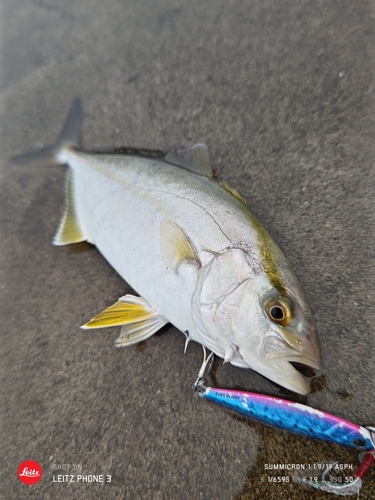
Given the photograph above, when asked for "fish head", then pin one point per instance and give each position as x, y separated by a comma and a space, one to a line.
251, 321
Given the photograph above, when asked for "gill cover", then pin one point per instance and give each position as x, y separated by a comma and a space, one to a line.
218, 279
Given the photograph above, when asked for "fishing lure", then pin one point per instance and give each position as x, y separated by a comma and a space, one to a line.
300, 419
303, 420
293, 417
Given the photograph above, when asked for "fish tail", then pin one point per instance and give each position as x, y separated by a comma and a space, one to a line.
70, 137
71, 229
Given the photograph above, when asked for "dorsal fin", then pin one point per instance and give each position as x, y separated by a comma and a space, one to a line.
194, 158
69, 230
231, 190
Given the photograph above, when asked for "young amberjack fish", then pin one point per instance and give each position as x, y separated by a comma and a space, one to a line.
193, 251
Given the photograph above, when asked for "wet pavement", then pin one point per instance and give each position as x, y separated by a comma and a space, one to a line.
283, 94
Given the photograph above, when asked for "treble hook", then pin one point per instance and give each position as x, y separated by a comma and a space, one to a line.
350, 488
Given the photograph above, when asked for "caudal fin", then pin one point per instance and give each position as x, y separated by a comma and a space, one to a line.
69, 137
70, 229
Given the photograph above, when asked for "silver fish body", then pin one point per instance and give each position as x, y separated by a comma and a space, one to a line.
193, 251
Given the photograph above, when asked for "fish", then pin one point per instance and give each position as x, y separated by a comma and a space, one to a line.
293, 417
192, 250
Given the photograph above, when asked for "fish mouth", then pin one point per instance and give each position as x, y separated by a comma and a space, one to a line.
280, 371
305, 362
280, 355
290, 376
285, 374
279, 368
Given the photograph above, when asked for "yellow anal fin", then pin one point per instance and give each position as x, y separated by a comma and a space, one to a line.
175, 246
232, 191
69, 230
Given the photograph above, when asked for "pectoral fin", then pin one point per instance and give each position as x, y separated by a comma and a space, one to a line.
137, 318
175, 246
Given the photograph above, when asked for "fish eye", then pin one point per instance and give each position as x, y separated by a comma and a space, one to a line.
279, 310
277, 313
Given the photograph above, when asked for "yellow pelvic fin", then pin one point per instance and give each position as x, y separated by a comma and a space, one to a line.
118, 314
232, 191
175, 245
128, 310
69, 230
139, 321
133, 333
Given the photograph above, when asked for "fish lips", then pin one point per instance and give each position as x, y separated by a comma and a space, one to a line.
300, 383
291, 378
283, 373
281, 353
276, 364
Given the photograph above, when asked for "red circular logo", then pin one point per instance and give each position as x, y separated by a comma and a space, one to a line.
30, 472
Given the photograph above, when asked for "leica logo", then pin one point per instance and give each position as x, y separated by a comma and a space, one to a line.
30, 472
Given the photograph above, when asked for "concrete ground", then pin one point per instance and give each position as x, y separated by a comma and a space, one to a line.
283, 94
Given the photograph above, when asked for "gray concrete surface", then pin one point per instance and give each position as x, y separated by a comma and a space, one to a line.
283, 94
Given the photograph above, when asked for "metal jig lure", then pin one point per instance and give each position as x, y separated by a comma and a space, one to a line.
298, 418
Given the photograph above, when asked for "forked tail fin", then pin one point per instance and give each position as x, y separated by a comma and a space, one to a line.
69, 137
71, 229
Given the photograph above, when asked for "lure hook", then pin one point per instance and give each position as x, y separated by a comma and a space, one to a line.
198, 385
332, 465
350, 488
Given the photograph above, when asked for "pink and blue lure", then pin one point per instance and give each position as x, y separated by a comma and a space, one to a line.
292, 417
303, 420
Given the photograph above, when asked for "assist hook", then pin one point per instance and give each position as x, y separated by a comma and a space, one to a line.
343, 489
198, 385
